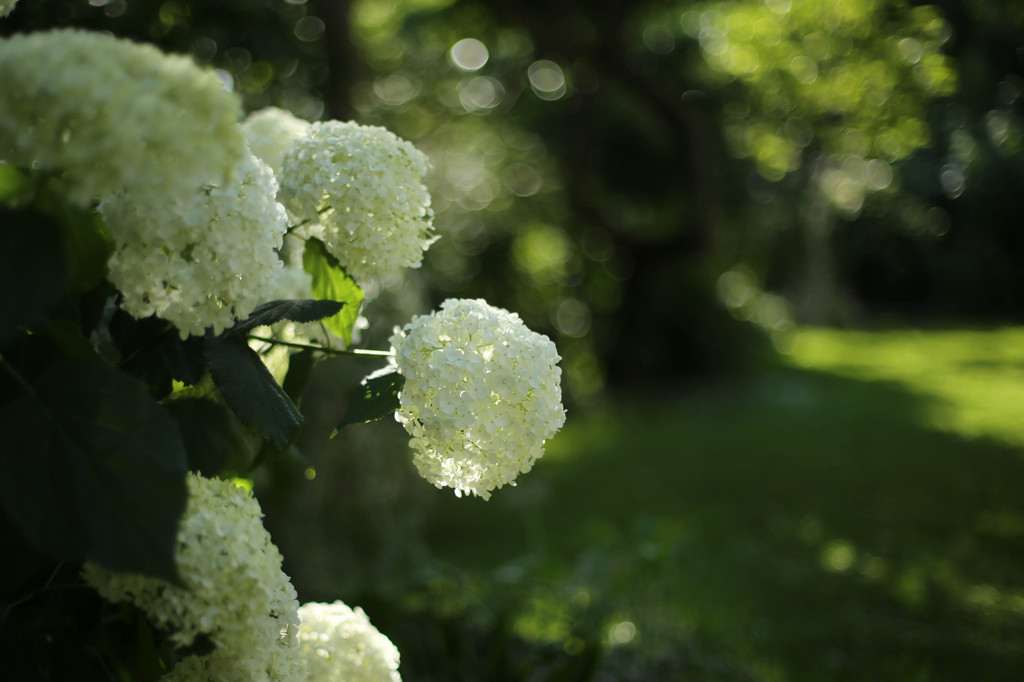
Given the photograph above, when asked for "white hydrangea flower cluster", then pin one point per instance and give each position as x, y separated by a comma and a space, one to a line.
270, 133
236, 592
364, 186
339, 643
283, 666
482, 394
114, 115
203, 260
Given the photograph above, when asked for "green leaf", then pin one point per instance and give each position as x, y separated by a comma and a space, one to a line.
88, 245
250, 389
14, 184
300, 368
33, 277
214, 440
331, 282
296, 311
375, 397
93, 468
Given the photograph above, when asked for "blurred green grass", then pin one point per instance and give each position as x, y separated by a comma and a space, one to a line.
854, 513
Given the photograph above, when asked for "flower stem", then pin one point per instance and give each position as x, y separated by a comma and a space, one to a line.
296, 226
324, 349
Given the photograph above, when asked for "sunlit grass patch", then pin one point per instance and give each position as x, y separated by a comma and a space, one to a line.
973, 379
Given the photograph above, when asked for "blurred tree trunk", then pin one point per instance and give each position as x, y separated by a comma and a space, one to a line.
818, 290
342, 57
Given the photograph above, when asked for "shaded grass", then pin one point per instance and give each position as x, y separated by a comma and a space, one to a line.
818, 522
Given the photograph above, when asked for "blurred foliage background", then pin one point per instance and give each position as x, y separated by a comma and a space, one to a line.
674, 191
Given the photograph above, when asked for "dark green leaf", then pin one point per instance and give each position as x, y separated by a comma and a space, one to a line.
300, 367
331, 282
288, 457
88, 245
214, 440
69, 339
93, 468
296, 311
33, 277
250, 389
375, 397
153, 350
21, 564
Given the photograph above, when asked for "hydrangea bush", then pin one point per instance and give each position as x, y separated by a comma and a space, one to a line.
161, 256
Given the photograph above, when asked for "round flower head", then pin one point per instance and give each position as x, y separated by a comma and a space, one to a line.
339, 643
236, 592
111, 115
364, 185
201, 261
270, 133
481, 395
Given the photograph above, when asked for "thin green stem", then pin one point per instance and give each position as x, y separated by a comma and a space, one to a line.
324, 349
296, 226
326, 333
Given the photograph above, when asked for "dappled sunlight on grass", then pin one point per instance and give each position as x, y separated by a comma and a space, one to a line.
974, 379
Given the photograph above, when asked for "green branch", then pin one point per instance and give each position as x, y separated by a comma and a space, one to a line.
324, 349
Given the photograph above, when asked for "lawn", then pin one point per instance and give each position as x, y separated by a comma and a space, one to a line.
854, 513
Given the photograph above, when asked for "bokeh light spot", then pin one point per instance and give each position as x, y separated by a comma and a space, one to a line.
204, 49
804, 69
521, 179
396, 89
838, 556
469, 54
877, 174
542, 251
547, 79
659, 39
910, 50
952, 180
573, 318
621, 633
309, 29
480, 92
997, 124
